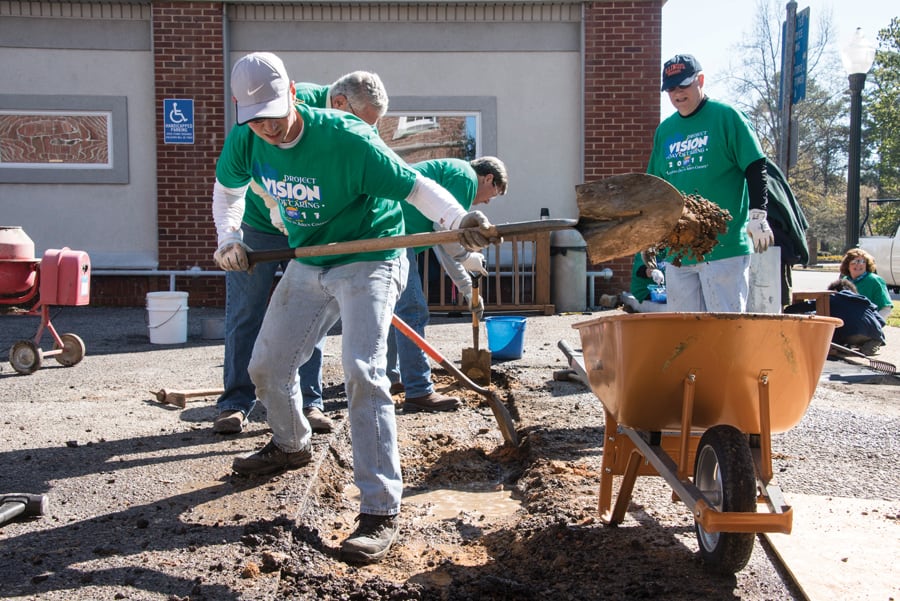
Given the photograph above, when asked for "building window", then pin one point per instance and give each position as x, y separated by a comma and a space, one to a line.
423, 137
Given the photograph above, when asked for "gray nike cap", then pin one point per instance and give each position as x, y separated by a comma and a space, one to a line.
260, 87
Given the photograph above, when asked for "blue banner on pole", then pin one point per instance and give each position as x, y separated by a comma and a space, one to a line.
178, 121
801, 46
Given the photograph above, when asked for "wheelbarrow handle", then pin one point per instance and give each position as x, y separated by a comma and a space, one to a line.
407, 241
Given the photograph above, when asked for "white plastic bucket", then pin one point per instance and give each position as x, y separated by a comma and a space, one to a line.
167, 317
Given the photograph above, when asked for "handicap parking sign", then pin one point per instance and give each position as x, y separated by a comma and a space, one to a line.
178, 120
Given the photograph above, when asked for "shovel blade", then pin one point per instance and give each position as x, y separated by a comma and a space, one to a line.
625, 214
476, 364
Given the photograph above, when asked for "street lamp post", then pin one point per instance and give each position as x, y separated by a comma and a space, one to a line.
857, 55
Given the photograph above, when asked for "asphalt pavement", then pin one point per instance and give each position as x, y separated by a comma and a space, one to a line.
95, 439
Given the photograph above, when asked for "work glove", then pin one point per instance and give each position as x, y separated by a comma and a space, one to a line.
474, 263
232, 253
759, 231
657, 276
475, 241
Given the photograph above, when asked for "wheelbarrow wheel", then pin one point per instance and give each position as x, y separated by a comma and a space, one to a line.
724, 473
25, 357
73, 350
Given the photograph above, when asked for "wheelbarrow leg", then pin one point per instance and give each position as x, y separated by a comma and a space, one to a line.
687, 418
626, 488
765, 430
610, 446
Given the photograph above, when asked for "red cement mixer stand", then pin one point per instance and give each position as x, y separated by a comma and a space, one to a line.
61, 278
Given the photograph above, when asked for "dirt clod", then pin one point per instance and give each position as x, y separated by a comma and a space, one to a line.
697, 231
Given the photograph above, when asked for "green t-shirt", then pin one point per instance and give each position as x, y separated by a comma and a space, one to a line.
707, 154
256, 214
312, 94
454, 175
339, 182
873, 287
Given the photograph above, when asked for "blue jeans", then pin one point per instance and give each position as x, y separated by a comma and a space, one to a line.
246, 296
408, 363
306, 303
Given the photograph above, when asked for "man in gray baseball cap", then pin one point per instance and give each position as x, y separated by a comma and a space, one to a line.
334, 180
261, 88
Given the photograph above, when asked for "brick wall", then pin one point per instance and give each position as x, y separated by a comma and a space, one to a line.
621, 110
188, 63
622, 54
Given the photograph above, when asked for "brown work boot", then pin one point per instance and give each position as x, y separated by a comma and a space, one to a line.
229, 422
271, 459
372, 538
431, 402
397, 388
318, 421
870, 347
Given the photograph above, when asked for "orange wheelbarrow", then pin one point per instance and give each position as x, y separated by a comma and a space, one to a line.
695, 398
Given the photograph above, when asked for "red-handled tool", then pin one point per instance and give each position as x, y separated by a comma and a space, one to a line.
501, 414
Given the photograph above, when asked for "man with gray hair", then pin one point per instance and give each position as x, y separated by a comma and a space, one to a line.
361, 93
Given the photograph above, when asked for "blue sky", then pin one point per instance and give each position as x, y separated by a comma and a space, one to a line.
708, 29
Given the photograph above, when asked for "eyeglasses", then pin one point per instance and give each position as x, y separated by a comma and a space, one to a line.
681, 87
857, 261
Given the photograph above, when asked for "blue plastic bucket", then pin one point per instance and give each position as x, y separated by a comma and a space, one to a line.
506, 336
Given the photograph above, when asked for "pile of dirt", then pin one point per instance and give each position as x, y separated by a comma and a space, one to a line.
697, 230
548, 543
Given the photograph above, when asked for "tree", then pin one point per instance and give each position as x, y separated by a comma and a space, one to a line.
820, 120
755, 77
882, 120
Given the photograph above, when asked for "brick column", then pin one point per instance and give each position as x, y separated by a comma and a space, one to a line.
621, 104
188, 63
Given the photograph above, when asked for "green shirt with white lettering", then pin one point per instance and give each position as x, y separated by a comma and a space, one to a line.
339, 182
706, 153
256, 214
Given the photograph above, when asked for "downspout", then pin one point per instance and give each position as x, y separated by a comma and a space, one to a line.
581, 104
226, 62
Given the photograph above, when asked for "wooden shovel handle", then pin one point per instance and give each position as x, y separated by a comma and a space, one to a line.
476, 303
407, 241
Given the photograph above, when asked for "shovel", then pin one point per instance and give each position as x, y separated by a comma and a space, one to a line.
625, 214
501, 414
476, 363
618, 217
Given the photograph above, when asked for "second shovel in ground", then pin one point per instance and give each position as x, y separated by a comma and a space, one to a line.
476, 362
